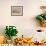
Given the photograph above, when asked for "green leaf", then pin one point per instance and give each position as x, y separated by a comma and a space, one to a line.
45, 16
10, 31
40, 18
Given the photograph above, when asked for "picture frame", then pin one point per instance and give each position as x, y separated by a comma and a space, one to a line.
16, 10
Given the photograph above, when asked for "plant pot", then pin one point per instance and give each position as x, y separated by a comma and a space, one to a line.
13, 38
9, 41
43, 23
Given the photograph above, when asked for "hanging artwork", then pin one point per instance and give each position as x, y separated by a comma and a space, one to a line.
16, 10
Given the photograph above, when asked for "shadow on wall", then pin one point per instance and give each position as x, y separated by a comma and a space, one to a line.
34, 22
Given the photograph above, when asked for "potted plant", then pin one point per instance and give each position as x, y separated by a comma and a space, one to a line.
42, 17
10, 31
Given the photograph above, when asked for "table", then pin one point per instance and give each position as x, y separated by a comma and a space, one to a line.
25, 44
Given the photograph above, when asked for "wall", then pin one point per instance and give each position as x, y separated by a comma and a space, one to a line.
25, 24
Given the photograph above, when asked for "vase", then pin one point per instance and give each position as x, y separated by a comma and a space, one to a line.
13, 38
9, 41
43, 23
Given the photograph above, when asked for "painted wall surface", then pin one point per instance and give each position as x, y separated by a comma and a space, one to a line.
25, 24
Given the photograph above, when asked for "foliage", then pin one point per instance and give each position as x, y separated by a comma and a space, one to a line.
11, 31
41, 17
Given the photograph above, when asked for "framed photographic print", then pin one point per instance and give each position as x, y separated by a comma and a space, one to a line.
16, 10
